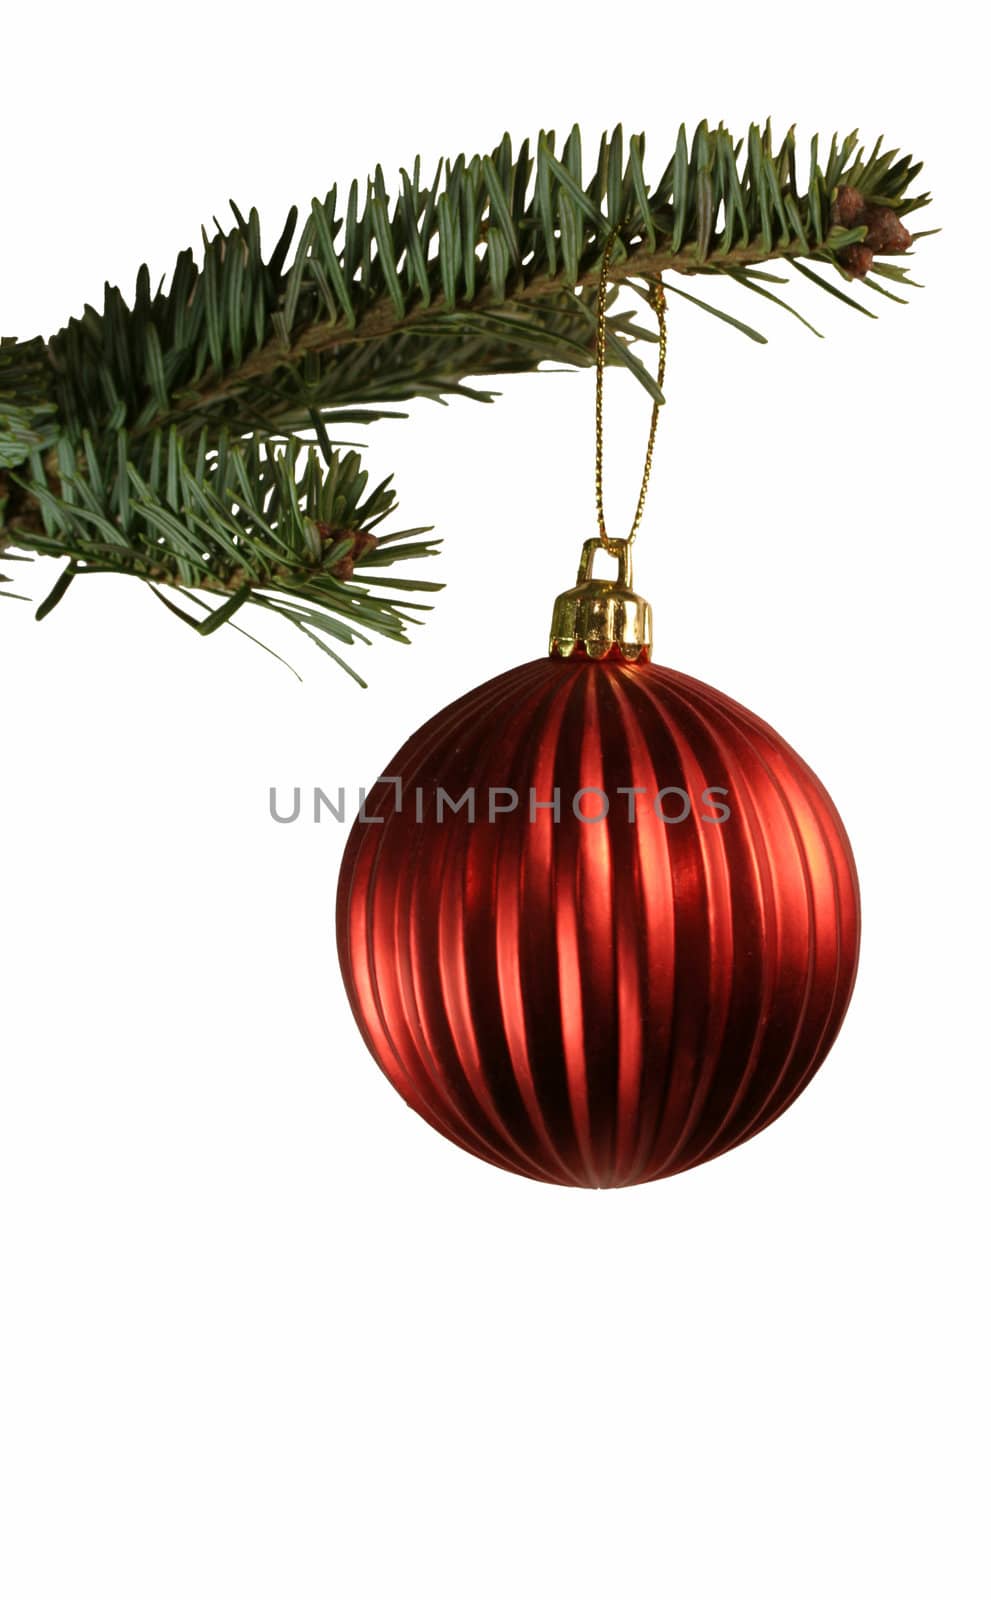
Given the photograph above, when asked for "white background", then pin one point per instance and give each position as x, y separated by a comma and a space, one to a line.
263, 1332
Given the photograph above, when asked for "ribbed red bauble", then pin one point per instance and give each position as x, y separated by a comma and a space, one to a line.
632, 945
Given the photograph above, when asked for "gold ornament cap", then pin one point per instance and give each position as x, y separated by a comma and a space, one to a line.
602, 616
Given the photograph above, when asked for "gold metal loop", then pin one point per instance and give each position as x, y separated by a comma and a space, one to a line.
659, 303
619, 549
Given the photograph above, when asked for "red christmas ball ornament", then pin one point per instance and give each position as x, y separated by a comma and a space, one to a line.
605, 925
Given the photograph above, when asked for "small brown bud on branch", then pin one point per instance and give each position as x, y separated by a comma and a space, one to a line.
886, 233
344, 566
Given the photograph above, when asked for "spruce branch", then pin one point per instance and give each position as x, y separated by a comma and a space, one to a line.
162, 438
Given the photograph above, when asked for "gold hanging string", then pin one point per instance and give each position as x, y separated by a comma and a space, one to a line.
659, 304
